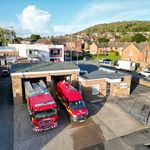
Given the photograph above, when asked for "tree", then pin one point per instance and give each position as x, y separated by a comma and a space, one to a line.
7, 36
125, 38
103, 40
17, 40
138, 38
148, 39
35, 37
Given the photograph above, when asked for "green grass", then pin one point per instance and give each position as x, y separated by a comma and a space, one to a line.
113, 56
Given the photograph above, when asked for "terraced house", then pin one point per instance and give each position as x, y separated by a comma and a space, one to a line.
137, 52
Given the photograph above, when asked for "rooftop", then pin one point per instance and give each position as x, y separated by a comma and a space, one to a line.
105, 73
50, 66
140, 46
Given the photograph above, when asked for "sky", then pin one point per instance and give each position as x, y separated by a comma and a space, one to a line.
59, 17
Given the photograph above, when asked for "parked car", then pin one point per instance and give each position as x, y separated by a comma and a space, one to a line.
106, 62
86, 58
55, 60
67, 59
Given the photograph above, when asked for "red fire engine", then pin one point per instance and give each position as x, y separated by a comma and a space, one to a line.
72, 100
41, 106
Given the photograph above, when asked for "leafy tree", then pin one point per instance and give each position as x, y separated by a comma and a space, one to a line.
2, 41
103, 40
122, 27
138, 38
35, 37
7, 36
148, 39
125, 38
18, 40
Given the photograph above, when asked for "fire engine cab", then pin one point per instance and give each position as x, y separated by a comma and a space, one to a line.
72, 100
41, 106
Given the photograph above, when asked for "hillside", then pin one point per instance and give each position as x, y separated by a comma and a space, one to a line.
122, 27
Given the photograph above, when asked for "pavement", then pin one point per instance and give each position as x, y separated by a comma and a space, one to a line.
137, 104
107, 128
106, 122
139, 89
6, 115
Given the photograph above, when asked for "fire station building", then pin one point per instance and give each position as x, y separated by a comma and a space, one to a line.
93, 86
49, 72
103, 82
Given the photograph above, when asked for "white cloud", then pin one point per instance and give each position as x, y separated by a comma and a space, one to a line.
110, 11
95, 11
34, 20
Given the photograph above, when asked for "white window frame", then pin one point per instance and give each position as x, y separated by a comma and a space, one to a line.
95, 89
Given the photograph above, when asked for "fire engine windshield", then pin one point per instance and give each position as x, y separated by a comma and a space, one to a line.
77, 104
45, 113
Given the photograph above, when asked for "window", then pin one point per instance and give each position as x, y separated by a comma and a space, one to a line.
130, 53
55, 52
95, 89
122, 79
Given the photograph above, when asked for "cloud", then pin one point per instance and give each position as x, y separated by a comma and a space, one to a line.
34, 20
37, 21
95, 11
114, 10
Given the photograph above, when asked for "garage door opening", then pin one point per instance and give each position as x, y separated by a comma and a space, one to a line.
56, 79
32, 80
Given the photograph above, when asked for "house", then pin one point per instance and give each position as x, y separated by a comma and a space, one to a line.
86, 45
42, 51
117, 46
138, 53
101, 48
94, 49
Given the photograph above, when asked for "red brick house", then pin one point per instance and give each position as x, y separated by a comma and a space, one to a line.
101, 48
137, 52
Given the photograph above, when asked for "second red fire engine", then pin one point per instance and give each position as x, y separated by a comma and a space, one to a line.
72, 100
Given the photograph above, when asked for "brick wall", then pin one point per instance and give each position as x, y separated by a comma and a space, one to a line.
116, 89
87, 89
93, 49
17, 81
131, 52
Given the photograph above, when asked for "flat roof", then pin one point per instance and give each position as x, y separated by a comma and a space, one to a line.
105, 73
7, 48
39, 67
